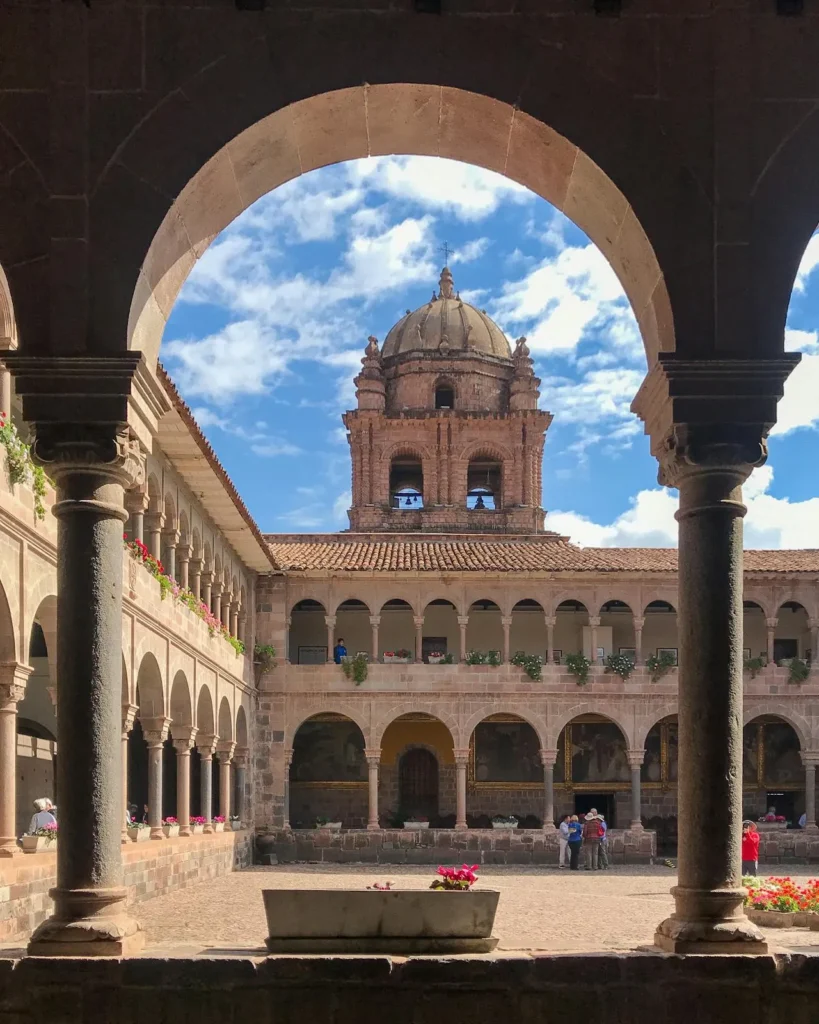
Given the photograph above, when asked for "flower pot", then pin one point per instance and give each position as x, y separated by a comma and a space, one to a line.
330, 826
37, 844
218, 826
771, 918
372, 921
435, 661
197, 830
393, 659
236, 826
416, 824
171, 831
139, 835
508, 825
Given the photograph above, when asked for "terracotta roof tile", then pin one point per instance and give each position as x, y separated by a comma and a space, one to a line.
548, 553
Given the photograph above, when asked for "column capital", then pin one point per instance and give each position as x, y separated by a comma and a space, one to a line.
206, 744
813, 623
155, 730
372, 752
155, 519
772, 622
506, 620
418, 620
594, 621
550, 621
638, 621
375, 620
129, 713
288, 756
183, 738
635, 758
461, 755
548, 758
225, 749
463, 620
241, 757
810, 758
137, 498
13, 679
171, 535
330, 621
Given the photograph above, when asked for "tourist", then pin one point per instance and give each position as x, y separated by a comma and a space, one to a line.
750, 848
604, 844
563, 840
42, 815
575, 839
339, 651
803, 820
592, 833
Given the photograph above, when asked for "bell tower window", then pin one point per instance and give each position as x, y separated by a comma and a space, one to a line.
406, 483
483, 484
444, 396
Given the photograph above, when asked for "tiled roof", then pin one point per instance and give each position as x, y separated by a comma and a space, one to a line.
550, 553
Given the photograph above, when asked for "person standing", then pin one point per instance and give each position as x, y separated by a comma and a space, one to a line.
339, 651
563, 840
750, 848
575, 839
604, 843
42, 815
591, 840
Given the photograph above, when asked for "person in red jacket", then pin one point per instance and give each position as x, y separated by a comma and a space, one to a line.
750, 848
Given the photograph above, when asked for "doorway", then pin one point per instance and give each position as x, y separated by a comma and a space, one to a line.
785, 649
432, 645
602, 802
418, 783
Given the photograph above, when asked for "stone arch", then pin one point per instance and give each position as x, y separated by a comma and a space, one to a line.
398, 597
224, 725
181, 710
793, 598
456, 600
150, 688
571, 594
471, 453
415, 707
41, 602
351, 595
196, 544
605, 597
348, 123
154, 493
760, 597
444, 389
184, 528
8, 325
800, 725
503, 708
389, 475
207, 557
205, 718
646, 723
308, 597
653, 596
331, 708
557, 725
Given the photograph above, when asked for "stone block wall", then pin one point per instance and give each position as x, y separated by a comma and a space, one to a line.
150, 868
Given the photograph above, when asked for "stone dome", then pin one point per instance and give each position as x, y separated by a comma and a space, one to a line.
446, 324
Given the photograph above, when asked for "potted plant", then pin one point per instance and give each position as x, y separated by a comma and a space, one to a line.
476, 658
578, 666
198, 825
219, 823
139, 832
435, 657
170, 826
798, 670
356, 668
504, 821
264, 655
530, 663
417, 821
400, 656
753, 666
660, 664
235, 823
326, 825
619, 665
448, 659
44, 838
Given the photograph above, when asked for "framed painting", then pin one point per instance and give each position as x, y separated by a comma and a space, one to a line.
507, 752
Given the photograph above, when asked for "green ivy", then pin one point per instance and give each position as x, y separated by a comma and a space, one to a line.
620, 665
356, 668
265, 654
483, 658
448, 659
20, 466
578, 665
753, 666
530, 663
798, 670
659, 665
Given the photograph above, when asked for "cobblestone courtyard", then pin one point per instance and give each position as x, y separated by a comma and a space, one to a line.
539, 909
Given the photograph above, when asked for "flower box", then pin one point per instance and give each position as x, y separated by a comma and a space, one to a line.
771, 918
380, 921
139, 835
218, 826
171, 831
38, 844
416, 824
197, 830
236, 825
435, 659
330, 826
393, 659
510, 823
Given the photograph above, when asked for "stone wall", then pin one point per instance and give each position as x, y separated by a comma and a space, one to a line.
608, 988
151, 869
438, 846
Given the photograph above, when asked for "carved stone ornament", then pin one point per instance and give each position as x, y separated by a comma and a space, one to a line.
10, 695
113, 451
686, 451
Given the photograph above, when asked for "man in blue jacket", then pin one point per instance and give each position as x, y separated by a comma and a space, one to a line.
575, 840
339, 651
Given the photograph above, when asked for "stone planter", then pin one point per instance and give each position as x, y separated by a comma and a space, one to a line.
435, 661
772, 826
813, 922
416, 824
197, 830
393, 659
38, 844
803, 918
171, 831
330, 826
218, 826
139, 835
236, 826
771, 918
508, 825
402, 922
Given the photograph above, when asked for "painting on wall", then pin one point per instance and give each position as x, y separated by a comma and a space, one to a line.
328, 752
598, 753
667, 650
750, 753
783, 763
507, 752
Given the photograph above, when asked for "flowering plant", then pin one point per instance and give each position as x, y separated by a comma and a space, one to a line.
48, 832
778, 818
219, 819
169, 821
20, 466
138, 824
381, 886
782, 894
198, 820
456, 878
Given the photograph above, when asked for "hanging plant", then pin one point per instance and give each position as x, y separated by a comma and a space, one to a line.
20, 466
798, 670
264, 655
659, 665
753, 666
530, 663
578, 665
619, 665
356, 668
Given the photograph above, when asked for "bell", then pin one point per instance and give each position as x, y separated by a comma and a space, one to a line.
408, 502
479, 503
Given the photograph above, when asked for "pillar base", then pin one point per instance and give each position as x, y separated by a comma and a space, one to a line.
462, 827
9, 847
373, 827
635, 826
88, 922
157, 833
184, 831
709, 921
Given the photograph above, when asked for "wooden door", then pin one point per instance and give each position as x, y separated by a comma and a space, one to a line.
418, 783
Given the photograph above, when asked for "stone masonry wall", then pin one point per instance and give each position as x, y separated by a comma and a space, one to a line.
151, 869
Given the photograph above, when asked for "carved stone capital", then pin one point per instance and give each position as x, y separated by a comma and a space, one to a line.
13, 679
330, 621
548, 758
104, 449
635, 758
810, 758
772, 622
594, 620
506, 621
241, 757
288, 757
183, 738
129, 713
10, 696
550, 621
463, 620
155, 730
418, 621
375, 620
638, 621
206, 744
225, 749
461, 755
697, 451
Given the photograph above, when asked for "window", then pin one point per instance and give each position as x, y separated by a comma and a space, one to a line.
483, 485
444, 396
406, 483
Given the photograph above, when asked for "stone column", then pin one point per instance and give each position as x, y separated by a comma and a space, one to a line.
183, 557
171, 537
234, 619
206, 746
288, 760
330, 622
91, 464
506, 622
463, 622
183, 740
771, 625
639, 622
461, 764
136, 501
225, 752
373, 761
128, 718
375, 622
594, 622
635, 763
216, 599
196, 578
154, 522
813, 626
241, 624
227, 600
810, 759
155, 731
550, 639
418, 621
548, 759
12, 690
240, 760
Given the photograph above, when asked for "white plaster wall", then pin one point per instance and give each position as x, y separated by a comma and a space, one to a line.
442, 620
485, 631
659, 630
397, 630
528, 632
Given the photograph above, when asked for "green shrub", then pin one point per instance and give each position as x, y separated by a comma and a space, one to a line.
659, 665
798, 670
578, 665
530, 663
356, 668
619, 665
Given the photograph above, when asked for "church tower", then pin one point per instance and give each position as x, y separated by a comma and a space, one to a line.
447, 436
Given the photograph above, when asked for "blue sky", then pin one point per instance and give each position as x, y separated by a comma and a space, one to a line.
270, 327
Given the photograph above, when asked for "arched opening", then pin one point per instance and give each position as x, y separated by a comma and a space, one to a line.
484, 484
773, 776
444, 395
353, 626
328, 773
658, 778
418, 784
615, 634
36, 758
506, 772
406, 483
792, 635
441, 631
527, 633
572, 631
754, 633
660, 630
206, 730
151, 704
307, 636
397, 631
595, 769
484, 631
417, 771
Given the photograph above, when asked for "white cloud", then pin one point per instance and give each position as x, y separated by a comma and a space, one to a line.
809, 262
649, 521
274, 447
798, 406
469, 251
341, 504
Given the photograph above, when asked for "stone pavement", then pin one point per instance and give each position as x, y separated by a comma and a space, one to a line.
539, 909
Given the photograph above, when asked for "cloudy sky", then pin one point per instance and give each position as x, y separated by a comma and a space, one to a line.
270, 327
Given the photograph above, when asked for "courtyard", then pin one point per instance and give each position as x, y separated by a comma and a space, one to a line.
540, 909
